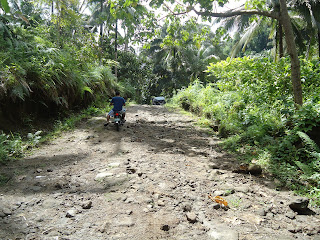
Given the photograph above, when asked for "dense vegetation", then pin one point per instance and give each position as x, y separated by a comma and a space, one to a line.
64, 60
250, 105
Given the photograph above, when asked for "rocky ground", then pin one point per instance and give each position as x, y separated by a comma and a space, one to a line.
155, 179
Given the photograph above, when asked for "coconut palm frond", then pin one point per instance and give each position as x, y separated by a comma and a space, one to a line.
246, 38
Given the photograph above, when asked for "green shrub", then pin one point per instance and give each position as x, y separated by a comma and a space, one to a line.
10, 147
252, 103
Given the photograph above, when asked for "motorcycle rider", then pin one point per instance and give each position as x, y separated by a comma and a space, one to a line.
118, 102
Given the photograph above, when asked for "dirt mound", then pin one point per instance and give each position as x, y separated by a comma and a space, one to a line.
151, 180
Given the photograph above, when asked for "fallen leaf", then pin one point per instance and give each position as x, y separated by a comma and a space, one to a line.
219, 200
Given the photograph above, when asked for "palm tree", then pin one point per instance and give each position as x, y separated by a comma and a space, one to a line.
309, 11
179, 57
249, 28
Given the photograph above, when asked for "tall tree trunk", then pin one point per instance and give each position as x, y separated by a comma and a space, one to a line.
101, 24
295, 63
319, 43
59, 10
280, 40
116, 48
101, 32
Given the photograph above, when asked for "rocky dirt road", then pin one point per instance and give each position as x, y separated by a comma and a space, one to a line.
151, 180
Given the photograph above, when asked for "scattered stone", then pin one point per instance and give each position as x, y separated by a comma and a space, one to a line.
224, 192
49, 203
125, 222
187, 207
87, 205
103, 228
243, 189
102, 175
39, 219
58, 185
291, 215
291, 228
158, 174
165, 227
222, 233
114, 164
6, 211
261, 212
129, 212
213, 166
130, 200
246, 205
161, 203
191, 217
124, 198
131, 170
253, 219
89, 137
71, 213
270, 215
127, 163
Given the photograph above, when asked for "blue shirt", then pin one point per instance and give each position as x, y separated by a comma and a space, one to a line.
118, 102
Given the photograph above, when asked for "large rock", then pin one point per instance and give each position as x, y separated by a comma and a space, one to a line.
300, 206
254, 169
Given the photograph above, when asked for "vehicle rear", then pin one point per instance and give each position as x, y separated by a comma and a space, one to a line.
158, 101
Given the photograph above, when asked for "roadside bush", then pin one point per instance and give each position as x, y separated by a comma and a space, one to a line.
10, 147
251, 102
38, 77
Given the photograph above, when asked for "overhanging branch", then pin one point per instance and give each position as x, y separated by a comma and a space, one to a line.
273, 15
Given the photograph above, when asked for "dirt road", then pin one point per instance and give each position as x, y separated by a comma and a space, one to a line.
151, 180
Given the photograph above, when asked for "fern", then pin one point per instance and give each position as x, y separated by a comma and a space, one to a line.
311, 170
310, 145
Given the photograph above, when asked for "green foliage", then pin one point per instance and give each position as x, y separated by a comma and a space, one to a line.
38, 74
180, 53
250, 102
10, 147
4, 5
135, 77
3, 179
310, 166
34, 139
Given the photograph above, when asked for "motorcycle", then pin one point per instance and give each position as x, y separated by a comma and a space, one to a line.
118, 119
